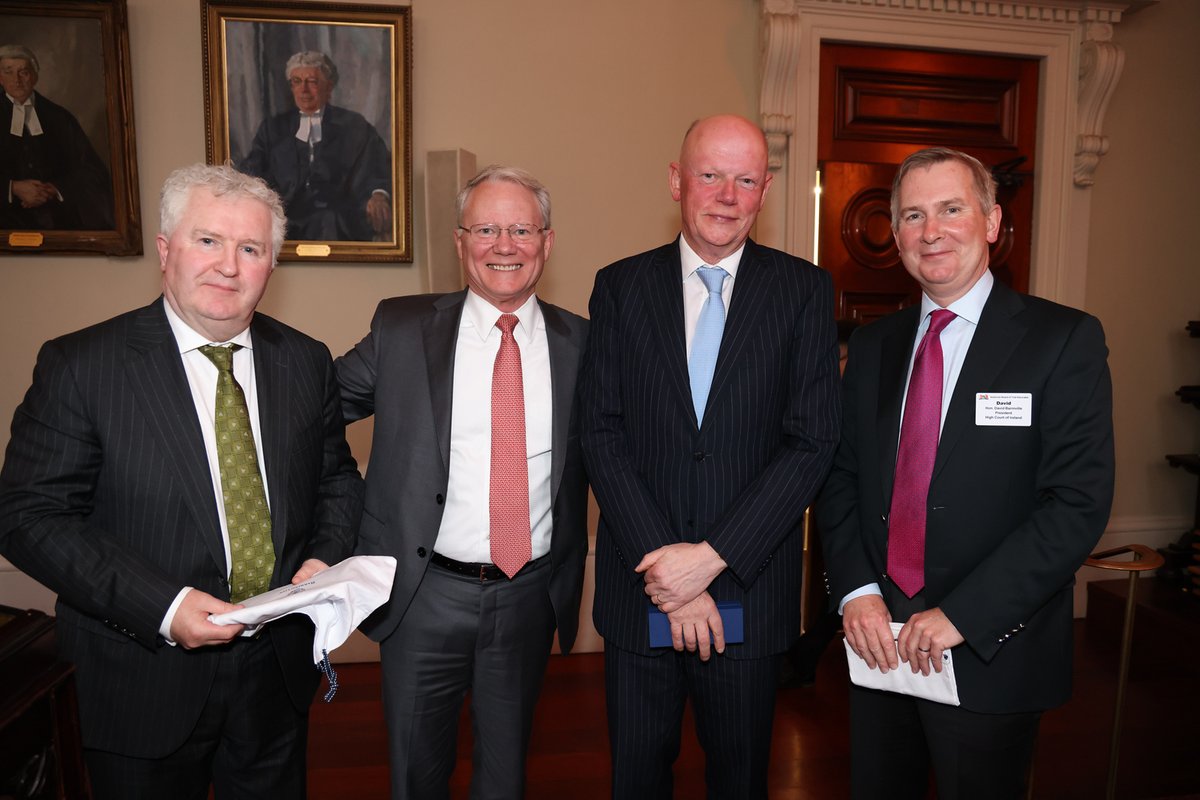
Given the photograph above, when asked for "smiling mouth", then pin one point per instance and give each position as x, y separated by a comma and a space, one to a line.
505, 267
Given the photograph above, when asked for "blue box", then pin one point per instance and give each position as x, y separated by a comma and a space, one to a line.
731, 619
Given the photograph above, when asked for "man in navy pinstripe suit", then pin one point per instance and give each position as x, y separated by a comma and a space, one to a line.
701, 499
112, 496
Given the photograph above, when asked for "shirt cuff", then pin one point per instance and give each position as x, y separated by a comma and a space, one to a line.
862, 591
164, 630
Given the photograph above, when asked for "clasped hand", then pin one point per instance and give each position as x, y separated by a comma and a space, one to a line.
920, 644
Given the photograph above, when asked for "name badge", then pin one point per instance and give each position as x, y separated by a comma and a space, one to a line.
1011, 409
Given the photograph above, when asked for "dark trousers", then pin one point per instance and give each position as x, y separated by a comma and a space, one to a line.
733, 702
249, 742
895, 739
492, 638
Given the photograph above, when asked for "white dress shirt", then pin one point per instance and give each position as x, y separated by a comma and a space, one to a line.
956, 340
464, 534
202, 380
694, 290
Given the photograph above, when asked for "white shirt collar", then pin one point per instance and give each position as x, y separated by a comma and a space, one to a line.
24, 115
189, 339
690, 262
310, 125
970, 305
482, 315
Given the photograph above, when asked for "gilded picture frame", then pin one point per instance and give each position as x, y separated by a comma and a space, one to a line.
68, 161
315, 98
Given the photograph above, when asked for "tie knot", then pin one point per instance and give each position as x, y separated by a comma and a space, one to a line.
222, 357
939, 319
713, 277
506, 323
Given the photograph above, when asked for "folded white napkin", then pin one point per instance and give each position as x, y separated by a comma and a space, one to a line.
336, 599
940, 687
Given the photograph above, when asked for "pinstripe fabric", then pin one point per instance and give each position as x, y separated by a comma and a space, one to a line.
733, 702
743, 479
105, 498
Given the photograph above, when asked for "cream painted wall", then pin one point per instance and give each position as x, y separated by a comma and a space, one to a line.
1144, 279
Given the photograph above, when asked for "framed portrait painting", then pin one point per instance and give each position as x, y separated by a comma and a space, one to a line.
68, 166
315, 99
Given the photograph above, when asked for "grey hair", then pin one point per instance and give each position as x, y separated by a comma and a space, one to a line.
984, 183
313, 58
22, 52
520, 177
222, 180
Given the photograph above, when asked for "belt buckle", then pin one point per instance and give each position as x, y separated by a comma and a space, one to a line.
483, 573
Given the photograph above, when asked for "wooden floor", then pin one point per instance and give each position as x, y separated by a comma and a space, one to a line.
1160, 756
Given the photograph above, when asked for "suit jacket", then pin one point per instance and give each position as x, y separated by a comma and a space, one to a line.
62, 155
326, 199
741, 480
106, 498
1012, 511
403, 372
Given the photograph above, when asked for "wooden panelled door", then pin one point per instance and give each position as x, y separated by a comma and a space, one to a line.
878, 105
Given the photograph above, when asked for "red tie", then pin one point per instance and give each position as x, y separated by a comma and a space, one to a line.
509, 499
914, 464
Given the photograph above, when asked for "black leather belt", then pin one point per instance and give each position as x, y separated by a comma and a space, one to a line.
481, 571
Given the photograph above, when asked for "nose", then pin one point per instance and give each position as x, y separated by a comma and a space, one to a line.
725, 193
504, 242
227, 265
931, 231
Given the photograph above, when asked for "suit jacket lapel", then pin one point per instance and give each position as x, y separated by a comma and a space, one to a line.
274, 421
664, 304
895, 352
564, 366
155, 373
1000, 331
441, 336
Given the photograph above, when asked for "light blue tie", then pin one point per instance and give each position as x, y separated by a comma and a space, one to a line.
707, 340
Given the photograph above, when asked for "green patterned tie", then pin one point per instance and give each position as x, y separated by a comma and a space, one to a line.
247, 516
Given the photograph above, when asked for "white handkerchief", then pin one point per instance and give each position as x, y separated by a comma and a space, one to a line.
336, 599
940, 687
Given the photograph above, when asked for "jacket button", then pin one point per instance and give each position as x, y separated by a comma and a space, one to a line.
439, 499
420, 552
699, 455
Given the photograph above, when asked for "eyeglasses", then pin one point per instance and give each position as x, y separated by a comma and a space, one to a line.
521, 232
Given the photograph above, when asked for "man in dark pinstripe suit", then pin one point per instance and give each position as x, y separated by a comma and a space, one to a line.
111, 495
701, 498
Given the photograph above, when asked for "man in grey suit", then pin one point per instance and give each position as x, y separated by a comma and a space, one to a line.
167, 463
476, 486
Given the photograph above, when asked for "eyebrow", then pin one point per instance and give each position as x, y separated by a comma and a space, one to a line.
214, 235
953, 201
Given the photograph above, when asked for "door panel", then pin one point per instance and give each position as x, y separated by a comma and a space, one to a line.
880, 104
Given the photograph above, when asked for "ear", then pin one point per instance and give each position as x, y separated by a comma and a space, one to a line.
674, 179
762, 201
458, 243
993, 224
548, 245
161, 243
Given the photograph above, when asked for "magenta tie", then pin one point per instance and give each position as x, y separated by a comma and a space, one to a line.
914, 464
509, 483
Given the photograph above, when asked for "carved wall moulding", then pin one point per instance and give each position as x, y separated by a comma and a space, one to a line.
1100, 60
